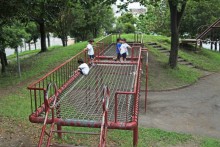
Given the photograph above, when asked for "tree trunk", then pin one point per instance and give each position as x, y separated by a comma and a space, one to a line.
2, 62
35, 46
48, 39
175, 17
63, 41
18, 62
174, 37
43, 37
29, 46
5, 58
66, 40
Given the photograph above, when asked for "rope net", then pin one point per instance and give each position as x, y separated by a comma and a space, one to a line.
82, 99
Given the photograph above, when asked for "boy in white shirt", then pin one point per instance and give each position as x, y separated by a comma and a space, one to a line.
124, 50
83, 67
90, 50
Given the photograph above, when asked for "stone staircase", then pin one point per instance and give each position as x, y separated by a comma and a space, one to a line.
180, 59
167, 53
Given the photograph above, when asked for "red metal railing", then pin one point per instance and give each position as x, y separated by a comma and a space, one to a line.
134, 93
103, 44
49, 108
104, 125
62, 74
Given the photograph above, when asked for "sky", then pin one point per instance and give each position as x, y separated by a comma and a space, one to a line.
130, 6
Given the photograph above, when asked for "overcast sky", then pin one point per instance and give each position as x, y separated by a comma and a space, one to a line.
130, 6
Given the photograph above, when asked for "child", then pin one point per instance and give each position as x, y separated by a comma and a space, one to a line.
90, 50
118, 45
124, 50
83, 67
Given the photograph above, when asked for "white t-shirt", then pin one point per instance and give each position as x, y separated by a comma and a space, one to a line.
90, 49
124, 48
85, 68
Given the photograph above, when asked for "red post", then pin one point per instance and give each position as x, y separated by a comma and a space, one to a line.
59, 128
135, 136
146, 89
146, 84
116, 107
132, 54
98, 51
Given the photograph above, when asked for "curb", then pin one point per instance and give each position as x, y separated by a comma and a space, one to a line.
182, 87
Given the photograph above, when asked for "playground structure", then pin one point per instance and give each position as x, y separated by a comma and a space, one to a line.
207, 34
108, 98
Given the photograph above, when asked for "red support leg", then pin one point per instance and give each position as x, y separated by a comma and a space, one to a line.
59, 128
135, 137
146, 89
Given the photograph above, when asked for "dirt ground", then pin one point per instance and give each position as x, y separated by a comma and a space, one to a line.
194, 110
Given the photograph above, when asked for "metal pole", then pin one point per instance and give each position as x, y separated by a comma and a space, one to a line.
18, 62
146, 84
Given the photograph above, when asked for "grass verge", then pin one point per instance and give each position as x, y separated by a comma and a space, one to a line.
204, 59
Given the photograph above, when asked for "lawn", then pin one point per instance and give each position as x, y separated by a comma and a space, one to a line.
204, 59
15, 102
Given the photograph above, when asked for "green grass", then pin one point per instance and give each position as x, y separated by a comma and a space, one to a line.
122, 138
208, 142
203, 59
38, 64
161, 75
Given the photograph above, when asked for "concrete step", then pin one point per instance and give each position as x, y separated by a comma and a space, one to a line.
185, 63
164, 51
156, 46
180, 60
161, 48
151, 43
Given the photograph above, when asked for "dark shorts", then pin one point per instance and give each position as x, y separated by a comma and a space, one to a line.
124, 55
80, 71
118, 56
91, 56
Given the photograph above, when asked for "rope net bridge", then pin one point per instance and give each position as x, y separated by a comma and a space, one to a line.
107, 98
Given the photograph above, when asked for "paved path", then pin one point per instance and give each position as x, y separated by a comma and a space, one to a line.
195, 109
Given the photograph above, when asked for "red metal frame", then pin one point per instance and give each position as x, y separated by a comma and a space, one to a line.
38, 89
104, 125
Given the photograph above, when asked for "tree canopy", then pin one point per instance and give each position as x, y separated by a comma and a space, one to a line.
199, 14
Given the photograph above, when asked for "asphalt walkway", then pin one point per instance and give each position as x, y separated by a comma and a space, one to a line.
194, 110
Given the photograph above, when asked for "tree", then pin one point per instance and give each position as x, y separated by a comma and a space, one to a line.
9, 10
127, 18
128, 28
68, 18
43, 12
155, 20
12, 36
177, 9
93, 24
32, 29
199, 15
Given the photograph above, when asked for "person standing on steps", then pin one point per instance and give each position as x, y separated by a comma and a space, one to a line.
90, 50
118, 45
124, 50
